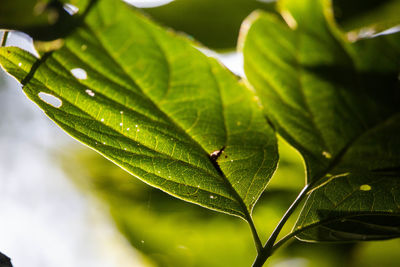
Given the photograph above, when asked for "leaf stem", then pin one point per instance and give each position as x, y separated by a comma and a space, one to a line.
4, 38
256, 237
268, 248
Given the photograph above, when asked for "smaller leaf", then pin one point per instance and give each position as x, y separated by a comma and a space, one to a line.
5, 261
350, 207
42, 20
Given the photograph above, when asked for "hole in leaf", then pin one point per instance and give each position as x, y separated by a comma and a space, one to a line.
50, 99
147, 3
79, 73
71, 9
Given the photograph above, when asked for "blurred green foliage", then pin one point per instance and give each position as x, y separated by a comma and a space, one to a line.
43, 20
171, 232
215, 23
379, 14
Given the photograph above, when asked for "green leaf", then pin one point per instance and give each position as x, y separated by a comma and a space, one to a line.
152, 103
215, 23
42, 20
321, 92
376, 15
363, 204
360, 206
338, 103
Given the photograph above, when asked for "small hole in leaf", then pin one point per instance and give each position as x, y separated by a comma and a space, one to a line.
71, 9
147, 3
79, 73
50, 99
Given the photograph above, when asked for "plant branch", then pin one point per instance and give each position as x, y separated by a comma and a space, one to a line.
4, 38
268, 248
282, 241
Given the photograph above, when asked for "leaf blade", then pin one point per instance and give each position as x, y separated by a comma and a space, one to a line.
337, 102
156, 106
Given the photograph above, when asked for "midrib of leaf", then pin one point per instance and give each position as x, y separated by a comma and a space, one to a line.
345, 50
221, 175
301, 87
168, 118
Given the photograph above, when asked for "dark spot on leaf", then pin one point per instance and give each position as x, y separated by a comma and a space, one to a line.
214, 156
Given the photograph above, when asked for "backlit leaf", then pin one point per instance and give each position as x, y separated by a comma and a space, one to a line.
338, 103
155, 105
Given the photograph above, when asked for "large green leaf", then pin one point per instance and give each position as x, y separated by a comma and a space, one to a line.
337, 102
155, 105
321, 92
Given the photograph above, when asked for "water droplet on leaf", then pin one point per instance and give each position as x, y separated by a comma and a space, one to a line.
326, 154
90, 92
365, 187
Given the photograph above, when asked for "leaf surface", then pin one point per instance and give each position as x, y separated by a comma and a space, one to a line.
360, 206
338, 103
320, 91
155, 105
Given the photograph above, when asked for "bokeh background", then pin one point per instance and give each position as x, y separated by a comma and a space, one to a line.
62, 204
